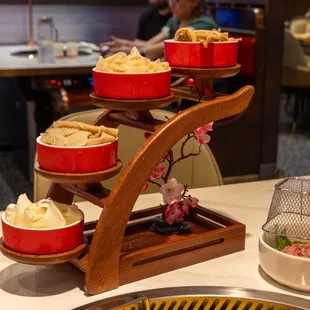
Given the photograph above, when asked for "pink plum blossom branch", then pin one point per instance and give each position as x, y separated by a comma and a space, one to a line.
155, 183
188, 155
189, 136
185, 191
170, 165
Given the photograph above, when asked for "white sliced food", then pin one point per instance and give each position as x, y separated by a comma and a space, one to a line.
22, 203
44, 214
71, 213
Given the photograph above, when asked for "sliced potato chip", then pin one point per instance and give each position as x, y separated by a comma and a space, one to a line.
135, 52
133, 63
116, 56
137, 69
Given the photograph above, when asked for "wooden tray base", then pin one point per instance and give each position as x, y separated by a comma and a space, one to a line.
212, 235
52, 259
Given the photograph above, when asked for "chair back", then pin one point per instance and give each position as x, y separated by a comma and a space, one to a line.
194, 171
293, 53
298, 25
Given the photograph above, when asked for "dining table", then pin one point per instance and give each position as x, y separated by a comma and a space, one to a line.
12, 65
62, 286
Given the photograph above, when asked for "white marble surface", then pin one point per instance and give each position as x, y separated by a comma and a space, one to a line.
61, 287
9, 62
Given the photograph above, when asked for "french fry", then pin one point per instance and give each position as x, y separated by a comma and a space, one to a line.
203, 36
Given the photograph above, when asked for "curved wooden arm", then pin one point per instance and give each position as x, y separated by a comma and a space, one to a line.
102, 273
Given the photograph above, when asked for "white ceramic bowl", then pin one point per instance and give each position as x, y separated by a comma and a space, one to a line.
286, 269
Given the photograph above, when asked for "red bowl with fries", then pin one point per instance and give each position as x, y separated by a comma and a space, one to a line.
82, 159
132, 85
195, 55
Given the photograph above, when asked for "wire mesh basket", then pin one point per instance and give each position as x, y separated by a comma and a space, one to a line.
289, 213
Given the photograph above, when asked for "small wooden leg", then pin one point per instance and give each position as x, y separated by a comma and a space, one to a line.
104, 119
59, 194
205, 83
142, 116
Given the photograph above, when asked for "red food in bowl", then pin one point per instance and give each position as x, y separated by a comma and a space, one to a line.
77, 159
195, 55
42, 241
132, 85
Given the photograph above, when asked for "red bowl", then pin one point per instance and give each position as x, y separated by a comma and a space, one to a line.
42, 241
195, 55
77, 159
132, 85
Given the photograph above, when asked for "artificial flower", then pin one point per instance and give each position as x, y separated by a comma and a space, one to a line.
147, 135
172, 190
203, 139
201, 133
192, 201
189, 202
158, 171
203, 129
174, 212
185, 206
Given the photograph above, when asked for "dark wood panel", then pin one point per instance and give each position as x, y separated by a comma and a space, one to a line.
294, 8
273, 78
240, 138
252, 140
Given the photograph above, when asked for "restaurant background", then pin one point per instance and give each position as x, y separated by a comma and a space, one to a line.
205, 230
77, 22
265, 135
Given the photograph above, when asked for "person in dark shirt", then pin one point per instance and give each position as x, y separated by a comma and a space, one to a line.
186, 13
151, 22
153, 19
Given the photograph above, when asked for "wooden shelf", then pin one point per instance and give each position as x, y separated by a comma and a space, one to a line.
79, 178
139, 105
206, 73
121, 252
52, 259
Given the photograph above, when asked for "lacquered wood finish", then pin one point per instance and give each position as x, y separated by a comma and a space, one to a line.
104, 254
42, 259
119, 104
122, 251
79, 178
206, 73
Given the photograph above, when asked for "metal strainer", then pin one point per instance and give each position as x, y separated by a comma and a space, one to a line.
289, 213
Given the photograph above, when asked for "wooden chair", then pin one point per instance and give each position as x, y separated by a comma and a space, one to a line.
298, 25
197, 171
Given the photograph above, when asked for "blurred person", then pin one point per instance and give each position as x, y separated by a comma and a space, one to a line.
153, 19
151, 22
186, 13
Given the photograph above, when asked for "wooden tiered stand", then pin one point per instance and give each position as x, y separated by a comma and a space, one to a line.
119, 248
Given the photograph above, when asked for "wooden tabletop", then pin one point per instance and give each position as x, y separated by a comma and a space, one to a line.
15, 66
61, 287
